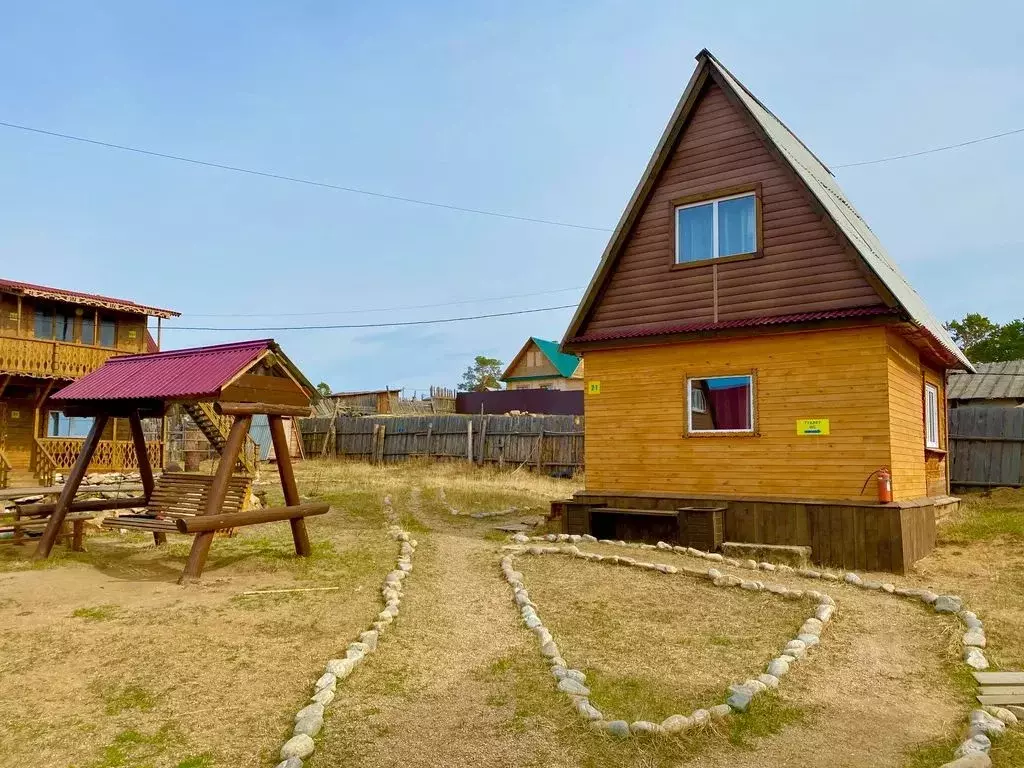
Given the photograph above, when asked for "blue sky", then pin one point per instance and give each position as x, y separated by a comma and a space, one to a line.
539, 109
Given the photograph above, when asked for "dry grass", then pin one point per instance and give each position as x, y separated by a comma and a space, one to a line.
654, 645
105, 662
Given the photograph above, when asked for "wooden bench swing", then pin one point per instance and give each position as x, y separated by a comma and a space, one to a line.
242, 380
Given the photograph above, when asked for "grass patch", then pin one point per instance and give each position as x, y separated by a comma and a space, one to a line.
989, 516
96, 613
127, 698
134, 749
768, 714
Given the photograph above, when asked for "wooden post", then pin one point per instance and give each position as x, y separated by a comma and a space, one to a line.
540, 449
216, 495
291, 490
159, 330
378, 444
67, 494
430, 428
145, 468
469, 441
483, 438
19, 315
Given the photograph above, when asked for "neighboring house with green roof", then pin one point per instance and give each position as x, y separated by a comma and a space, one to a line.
539, 365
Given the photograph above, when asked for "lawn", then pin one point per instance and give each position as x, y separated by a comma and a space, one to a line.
105, 661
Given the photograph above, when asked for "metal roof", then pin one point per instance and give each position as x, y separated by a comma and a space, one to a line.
750, 322
87, 299
563, 362
816, 177
993, 381
185, 374
822, 184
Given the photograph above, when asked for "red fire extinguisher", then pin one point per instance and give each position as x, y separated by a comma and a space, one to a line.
884, 486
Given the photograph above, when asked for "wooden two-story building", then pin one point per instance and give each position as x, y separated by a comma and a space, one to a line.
750, 346
48, 338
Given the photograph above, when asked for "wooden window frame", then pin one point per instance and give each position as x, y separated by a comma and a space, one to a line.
929, 387
708, 197
754, 430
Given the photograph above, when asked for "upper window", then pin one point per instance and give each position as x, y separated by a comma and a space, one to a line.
44, 324
88, 330
720, 404
108, 332
714, 229
931, 416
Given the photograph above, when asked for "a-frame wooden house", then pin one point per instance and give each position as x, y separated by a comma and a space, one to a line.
749, 345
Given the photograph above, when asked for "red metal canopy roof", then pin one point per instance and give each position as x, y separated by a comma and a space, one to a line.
183, 374
88, 299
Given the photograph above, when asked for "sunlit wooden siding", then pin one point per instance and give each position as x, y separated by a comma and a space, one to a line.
804, 266
906, 413
635, 427
936, 462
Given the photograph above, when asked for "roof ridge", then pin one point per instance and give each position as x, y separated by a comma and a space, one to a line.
193, 350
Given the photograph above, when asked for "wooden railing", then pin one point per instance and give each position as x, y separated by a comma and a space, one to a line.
50, 359
58, 454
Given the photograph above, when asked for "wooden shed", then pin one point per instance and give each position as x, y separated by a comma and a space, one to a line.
751, 347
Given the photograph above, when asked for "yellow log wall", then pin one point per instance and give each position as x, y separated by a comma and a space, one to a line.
635, 427
906, 415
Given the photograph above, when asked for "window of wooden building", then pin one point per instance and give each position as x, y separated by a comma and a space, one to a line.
88, 334
108, 332
716, 228
720, 404
59, 425
931, 416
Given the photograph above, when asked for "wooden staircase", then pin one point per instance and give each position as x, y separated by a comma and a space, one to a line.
215, 428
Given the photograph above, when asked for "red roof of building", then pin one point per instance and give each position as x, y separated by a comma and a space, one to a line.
182, 374
749, 322
88, 299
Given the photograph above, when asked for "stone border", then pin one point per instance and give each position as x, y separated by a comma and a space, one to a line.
983, 723
455, 512
571, 681
310, 719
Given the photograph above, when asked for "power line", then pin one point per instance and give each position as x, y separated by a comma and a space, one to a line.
933, 150
300, 180
386, 309
372, 325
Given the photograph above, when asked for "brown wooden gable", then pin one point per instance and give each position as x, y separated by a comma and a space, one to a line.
266, 381
803, 264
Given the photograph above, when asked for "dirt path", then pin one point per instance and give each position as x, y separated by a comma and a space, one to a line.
423, 699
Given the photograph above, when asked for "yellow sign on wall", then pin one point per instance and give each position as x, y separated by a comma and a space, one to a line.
812, 427
594, 388
15, 415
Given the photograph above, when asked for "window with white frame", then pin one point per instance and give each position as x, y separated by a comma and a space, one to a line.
714, 229
720, 404
931, 416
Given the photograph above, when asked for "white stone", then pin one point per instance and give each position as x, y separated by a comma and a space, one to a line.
309, 725
618, 728
823, 613
853, 578
720, 710
948, 604
1003, 714
340, 668
310, 710
326, 680
300, 746
573, 687
974, 637
324, 696
975, 658
770, 681
700, 716
777, 668
979, 743
676, 724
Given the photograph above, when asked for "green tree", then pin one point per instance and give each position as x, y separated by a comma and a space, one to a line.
986, 342
324, 389
482, 374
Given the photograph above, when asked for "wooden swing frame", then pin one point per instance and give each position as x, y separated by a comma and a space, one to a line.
206, 524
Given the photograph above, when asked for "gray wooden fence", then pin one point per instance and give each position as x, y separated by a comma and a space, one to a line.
986, 446
551, 444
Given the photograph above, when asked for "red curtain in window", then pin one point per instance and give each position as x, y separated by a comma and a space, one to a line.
731, 407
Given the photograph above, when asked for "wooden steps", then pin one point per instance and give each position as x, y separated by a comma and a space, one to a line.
1000, 688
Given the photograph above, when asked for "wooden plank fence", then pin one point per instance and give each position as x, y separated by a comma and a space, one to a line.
550, 444
986, 446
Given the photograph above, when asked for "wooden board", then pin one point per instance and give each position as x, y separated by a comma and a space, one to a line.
1001, 700
265, 389
999, 678
1001, 690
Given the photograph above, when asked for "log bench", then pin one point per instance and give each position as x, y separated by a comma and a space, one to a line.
177, 495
